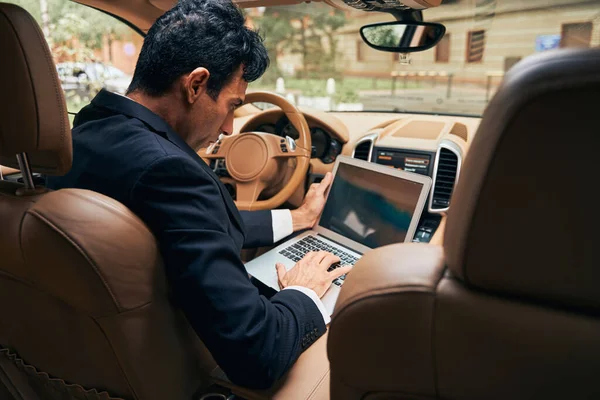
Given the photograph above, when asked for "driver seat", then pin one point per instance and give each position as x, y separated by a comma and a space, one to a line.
84, 311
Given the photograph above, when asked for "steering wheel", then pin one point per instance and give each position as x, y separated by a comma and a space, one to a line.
255, 159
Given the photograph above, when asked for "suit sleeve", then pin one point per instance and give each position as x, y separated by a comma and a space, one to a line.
259, 228
253, 339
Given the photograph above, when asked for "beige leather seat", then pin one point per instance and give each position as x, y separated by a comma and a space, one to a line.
84, 312
509, 307
82, 288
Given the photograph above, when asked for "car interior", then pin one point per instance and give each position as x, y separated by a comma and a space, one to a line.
494, 297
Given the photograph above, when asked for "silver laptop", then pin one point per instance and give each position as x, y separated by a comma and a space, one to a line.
368, 206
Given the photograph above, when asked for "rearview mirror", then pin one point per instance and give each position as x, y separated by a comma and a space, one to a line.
403, 37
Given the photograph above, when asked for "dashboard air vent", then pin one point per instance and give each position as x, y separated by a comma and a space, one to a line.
447, 168
364, 148
362, 151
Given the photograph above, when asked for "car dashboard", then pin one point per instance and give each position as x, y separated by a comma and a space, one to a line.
431, 145
326, 146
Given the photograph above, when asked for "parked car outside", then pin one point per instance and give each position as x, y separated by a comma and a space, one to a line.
82, 81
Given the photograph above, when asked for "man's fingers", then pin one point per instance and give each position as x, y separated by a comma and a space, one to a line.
309, 256
329, 259
281, 271
336, 273
320, 256
325, 183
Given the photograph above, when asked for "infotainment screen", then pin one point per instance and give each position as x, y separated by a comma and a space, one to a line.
410, 162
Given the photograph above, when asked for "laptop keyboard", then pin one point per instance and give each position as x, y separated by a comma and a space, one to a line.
298, 250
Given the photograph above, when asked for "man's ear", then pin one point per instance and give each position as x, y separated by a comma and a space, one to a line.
195, 84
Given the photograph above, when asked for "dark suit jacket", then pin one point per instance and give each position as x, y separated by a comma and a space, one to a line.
127, 152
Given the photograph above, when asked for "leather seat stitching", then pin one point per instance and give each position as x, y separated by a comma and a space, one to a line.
116, 355
33, 371
106, 204
387, 290
6, 275
337, 314
22, 251
313, 390
80, 249
433, 341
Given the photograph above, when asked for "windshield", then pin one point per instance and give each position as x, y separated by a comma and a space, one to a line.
318, 59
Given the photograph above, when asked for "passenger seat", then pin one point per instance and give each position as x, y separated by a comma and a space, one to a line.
509, 307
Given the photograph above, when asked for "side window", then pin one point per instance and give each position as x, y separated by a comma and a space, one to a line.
91, 50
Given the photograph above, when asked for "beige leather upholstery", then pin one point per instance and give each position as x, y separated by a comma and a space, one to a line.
307, 380
31, 92
539, 154
84, 309
509, 307
83, 295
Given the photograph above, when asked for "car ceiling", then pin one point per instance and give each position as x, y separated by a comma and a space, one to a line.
143, 13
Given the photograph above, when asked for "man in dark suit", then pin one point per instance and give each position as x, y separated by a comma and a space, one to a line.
192, 73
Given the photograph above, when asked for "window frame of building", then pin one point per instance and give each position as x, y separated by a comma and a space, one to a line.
443, 46
360, 57
584, 24
511, 61
468, 54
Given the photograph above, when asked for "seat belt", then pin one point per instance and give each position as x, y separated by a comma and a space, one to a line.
13, 379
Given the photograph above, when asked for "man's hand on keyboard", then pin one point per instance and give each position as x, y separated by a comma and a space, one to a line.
312, 272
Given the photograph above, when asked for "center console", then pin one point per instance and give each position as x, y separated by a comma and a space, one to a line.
428, 224
409, 161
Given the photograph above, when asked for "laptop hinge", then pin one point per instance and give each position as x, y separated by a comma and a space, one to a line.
339, 244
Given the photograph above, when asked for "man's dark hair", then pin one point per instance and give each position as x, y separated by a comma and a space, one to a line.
198, 33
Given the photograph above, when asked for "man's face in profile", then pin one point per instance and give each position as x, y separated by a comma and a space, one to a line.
212, 117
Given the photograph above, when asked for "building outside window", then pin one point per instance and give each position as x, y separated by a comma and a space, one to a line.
359, 51
442, 50
576, 35
475, 46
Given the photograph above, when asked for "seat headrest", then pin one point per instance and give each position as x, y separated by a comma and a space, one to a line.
523, 220
33, 117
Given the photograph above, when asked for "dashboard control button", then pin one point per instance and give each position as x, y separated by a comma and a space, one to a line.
291, 143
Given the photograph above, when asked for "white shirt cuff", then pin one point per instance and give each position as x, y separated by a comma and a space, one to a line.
282, 224
313, 296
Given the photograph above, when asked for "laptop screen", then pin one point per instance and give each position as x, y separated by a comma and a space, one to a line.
369, 207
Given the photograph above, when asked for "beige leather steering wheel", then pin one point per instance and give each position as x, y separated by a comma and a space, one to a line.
254, 159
